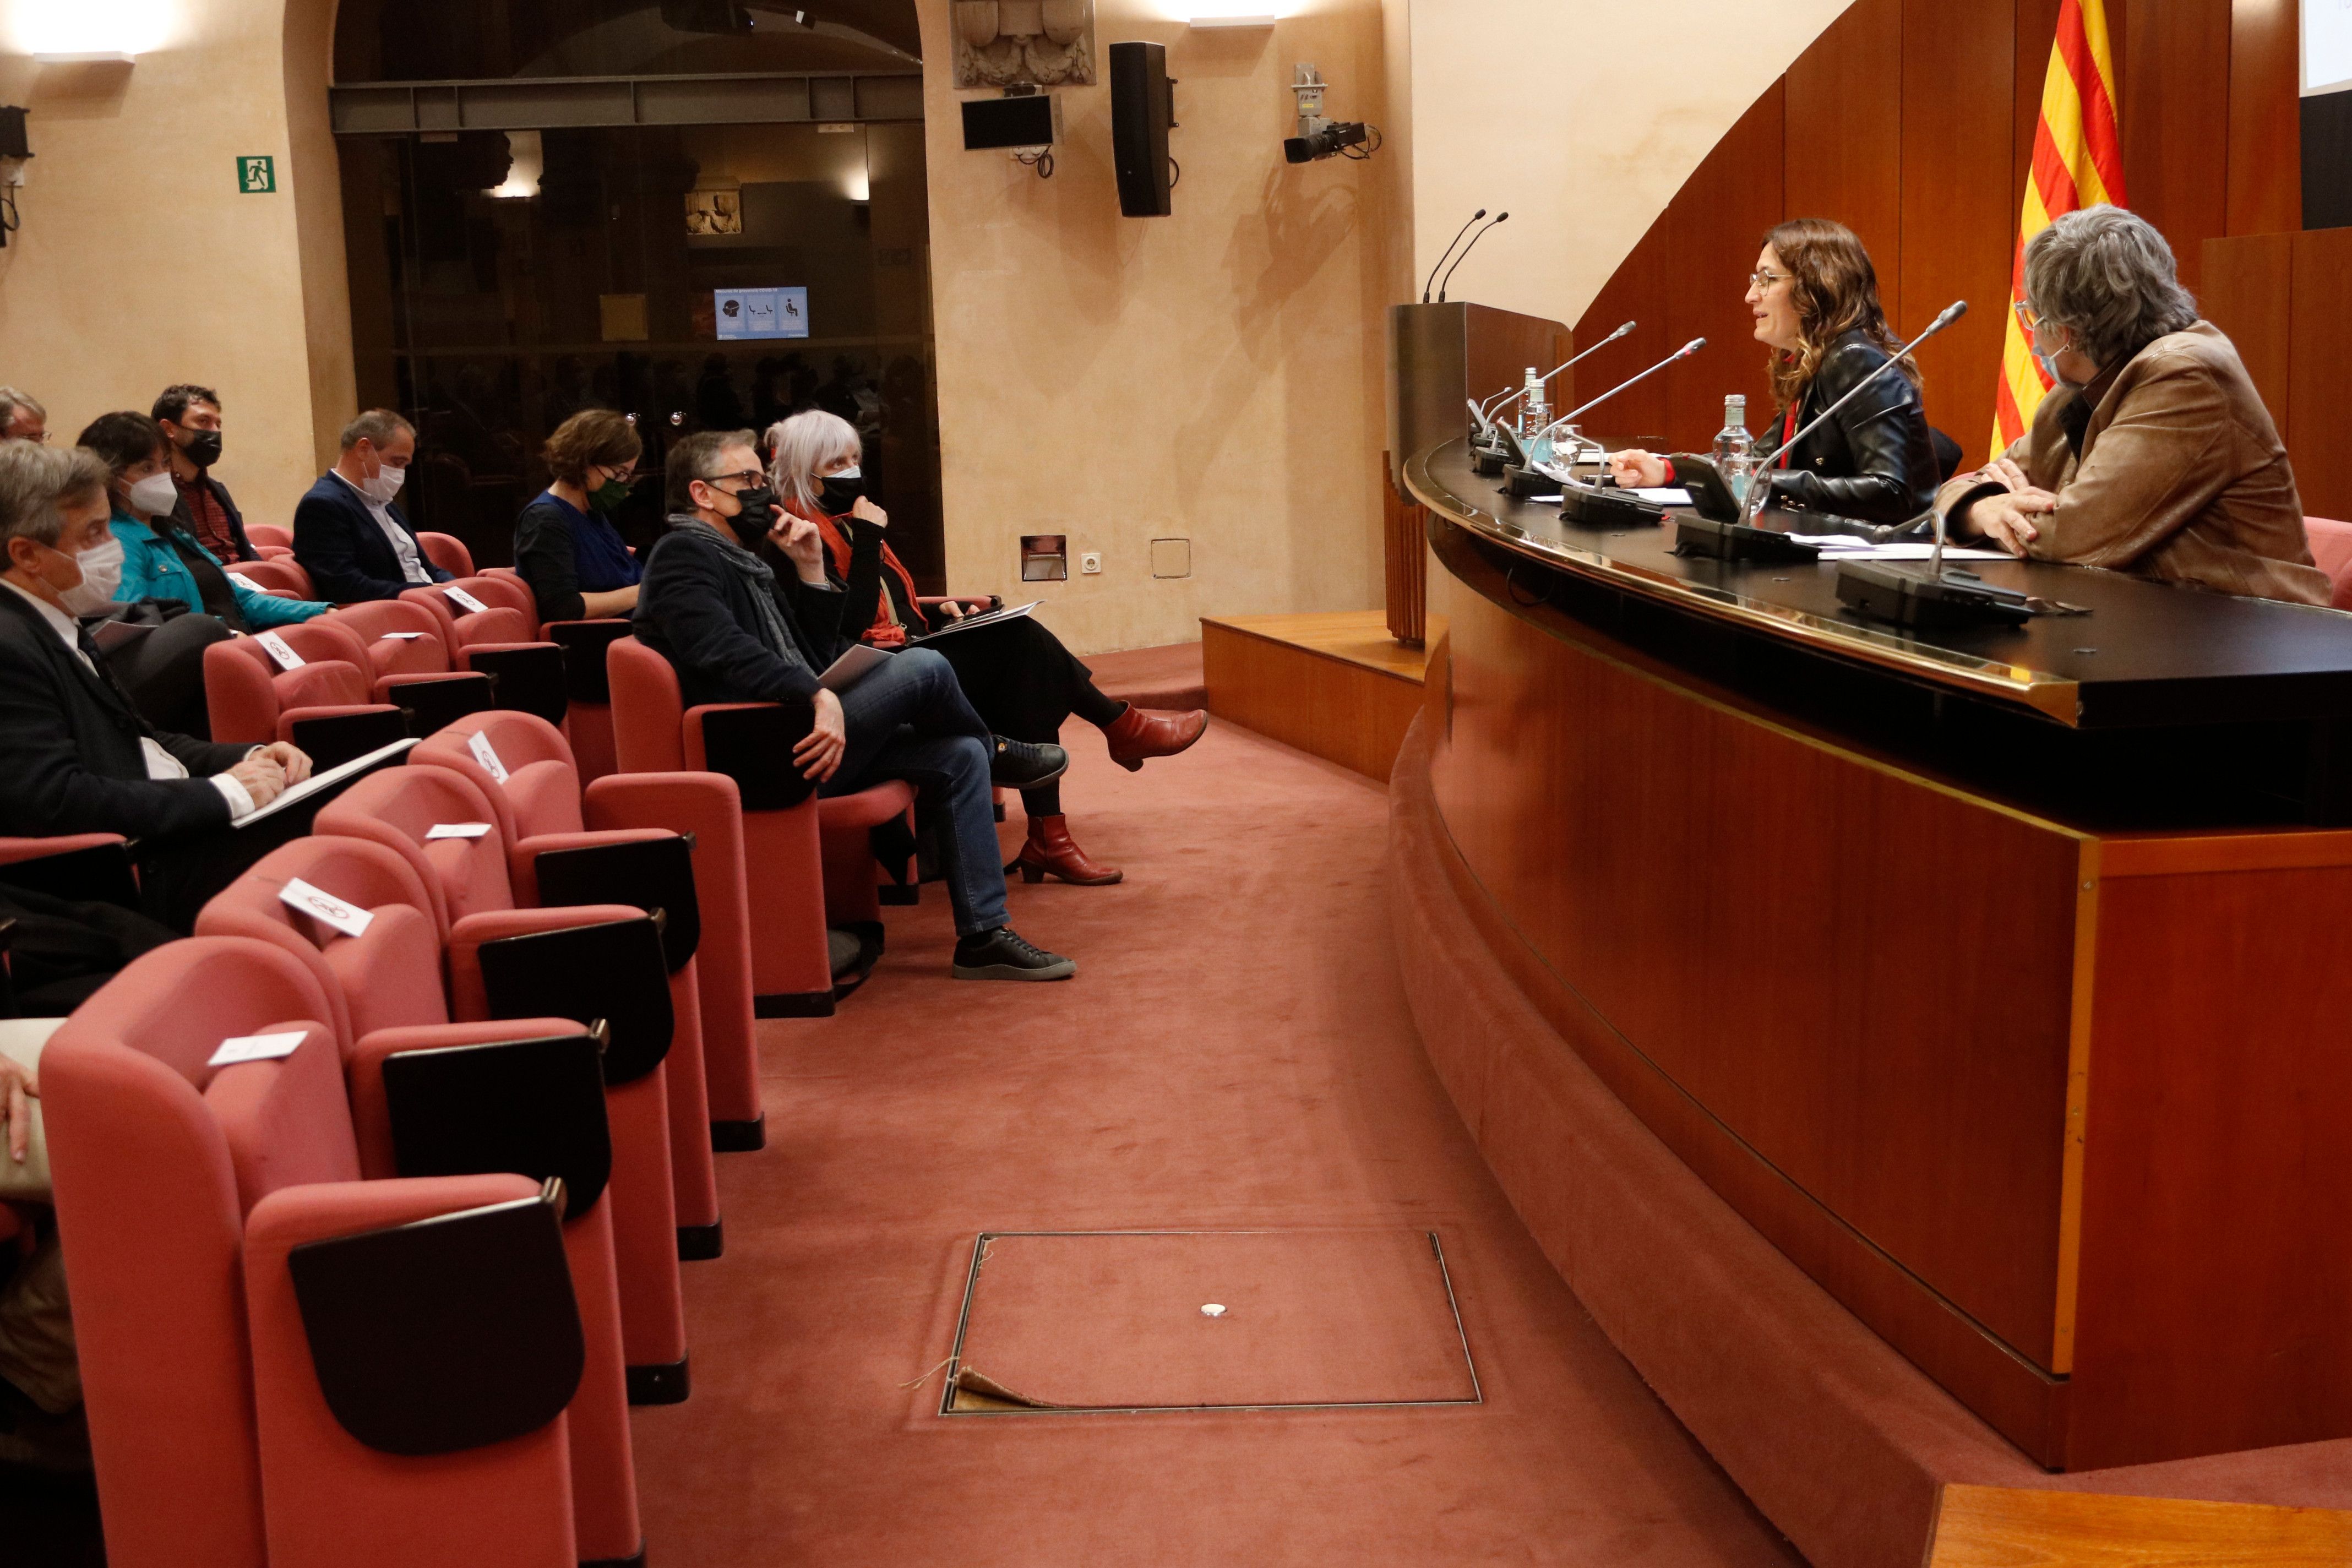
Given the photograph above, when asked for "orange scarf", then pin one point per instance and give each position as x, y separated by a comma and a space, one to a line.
887, 630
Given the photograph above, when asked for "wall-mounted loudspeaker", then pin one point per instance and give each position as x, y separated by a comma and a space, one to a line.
1142, 112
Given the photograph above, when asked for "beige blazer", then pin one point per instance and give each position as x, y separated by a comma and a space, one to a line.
2180, 474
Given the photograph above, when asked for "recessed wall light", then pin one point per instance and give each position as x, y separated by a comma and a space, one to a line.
1260, 20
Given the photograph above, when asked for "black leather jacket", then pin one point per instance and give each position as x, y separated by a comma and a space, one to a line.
1873, 461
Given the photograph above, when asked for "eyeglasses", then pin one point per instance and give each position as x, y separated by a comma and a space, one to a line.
2027, 317
749, 476
1764, 277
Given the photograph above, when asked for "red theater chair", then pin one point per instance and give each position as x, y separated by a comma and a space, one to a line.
259, 1387
325, 704
2331, 546
578, 954
260, 534
275, 575
447, 552
384, 989
500, 638
541, 796
786, 850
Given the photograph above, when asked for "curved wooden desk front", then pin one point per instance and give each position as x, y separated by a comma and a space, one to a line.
1999, 982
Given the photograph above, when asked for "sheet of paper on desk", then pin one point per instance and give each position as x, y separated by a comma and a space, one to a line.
1665, 497
1847, 547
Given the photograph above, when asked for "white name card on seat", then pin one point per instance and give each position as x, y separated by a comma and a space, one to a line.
347, 919
464, 600
487, 755
455, 830
399, 636
258, 1048
278, 648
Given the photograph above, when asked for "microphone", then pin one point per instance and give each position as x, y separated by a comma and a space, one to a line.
1753, 502
1499, 218
1685, 351
1488, 409
1448, 251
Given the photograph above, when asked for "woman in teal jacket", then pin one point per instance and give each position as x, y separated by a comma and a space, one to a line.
160, 561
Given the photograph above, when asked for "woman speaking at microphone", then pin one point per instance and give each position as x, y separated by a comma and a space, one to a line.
1814, 295
1017, 674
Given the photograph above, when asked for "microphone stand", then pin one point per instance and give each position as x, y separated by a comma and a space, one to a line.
1529, 481
1441, 254
1500, 218
1504, 398
1683, 353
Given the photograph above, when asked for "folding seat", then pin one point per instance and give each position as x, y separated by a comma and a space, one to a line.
542, 795
447, 552
323, 700
407, 644
384, 988
259, 534
277, 573
588, 713
789, 834
490, 624
270, 1344
599, 950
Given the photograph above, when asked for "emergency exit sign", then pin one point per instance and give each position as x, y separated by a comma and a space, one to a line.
256, 176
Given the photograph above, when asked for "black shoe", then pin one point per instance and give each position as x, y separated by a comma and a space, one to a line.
1025, 764
1000, 954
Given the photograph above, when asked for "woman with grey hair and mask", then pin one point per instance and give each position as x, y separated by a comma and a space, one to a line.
2153, 452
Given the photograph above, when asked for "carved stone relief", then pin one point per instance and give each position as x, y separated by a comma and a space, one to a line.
1006, 43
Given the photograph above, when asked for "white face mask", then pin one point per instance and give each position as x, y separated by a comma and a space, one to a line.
384, 483
851, 472
102, 574
154, 495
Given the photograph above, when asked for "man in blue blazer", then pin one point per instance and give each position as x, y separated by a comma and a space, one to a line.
348, 536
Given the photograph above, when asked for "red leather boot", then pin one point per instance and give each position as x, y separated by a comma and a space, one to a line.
1141, 733
1051, 849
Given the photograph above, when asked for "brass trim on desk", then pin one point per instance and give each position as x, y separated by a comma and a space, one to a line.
2052, 695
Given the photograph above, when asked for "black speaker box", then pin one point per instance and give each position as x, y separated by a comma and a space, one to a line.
1142, 112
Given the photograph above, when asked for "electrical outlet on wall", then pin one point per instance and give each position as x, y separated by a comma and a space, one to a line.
1091, 562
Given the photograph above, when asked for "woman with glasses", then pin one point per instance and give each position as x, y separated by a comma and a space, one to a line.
1814, 296
565, 544
2152, 452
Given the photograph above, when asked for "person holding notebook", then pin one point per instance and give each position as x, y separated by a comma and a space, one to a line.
1016, 672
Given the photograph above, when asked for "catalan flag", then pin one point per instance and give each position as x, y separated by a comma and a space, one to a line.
2078, 162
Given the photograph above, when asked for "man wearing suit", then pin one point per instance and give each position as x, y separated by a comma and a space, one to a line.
348, 536
75, 755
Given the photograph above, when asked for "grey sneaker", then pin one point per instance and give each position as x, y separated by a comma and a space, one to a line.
1000, 954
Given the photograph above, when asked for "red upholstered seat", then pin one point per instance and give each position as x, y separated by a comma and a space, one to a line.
260, 534
183, 1188
789, 855
508, 616
472, 903
276, 574
2331, 547
447, 552
252, 699
385, 989
543, 797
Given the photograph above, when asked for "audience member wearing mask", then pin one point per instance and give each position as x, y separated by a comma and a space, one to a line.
22, 418
735, 633
163, 561
190, 419
565, 544
76, 756
1017, 675
356, 543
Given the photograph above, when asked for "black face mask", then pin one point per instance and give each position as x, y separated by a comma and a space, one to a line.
752, 524
841, 491
204, 448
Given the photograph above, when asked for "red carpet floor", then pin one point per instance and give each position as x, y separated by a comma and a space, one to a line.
1235, 1052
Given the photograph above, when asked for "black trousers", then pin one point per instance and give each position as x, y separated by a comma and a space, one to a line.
177, 876
163, 673
1021, 679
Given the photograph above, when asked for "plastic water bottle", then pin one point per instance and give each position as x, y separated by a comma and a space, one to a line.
1735, 449
1535, 415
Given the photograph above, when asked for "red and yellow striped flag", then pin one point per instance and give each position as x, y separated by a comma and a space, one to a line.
2078, 162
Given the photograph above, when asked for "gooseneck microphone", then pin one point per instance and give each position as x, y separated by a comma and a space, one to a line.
1685, 351
1753, 502
1509, 395
1499, 218
1458, 233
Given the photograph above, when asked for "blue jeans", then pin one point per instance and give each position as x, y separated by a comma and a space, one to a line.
909, 720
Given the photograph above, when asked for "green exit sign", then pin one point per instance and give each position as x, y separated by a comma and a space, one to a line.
256, 176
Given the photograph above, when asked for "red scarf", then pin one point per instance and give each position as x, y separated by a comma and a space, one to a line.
887, 630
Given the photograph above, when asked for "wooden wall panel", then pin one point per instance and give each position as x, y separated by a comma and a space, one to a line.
1716, 226
1959, 215
1844, 145
2318, 390
2265, 126
2174, 97
2249, 294
1635, 293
